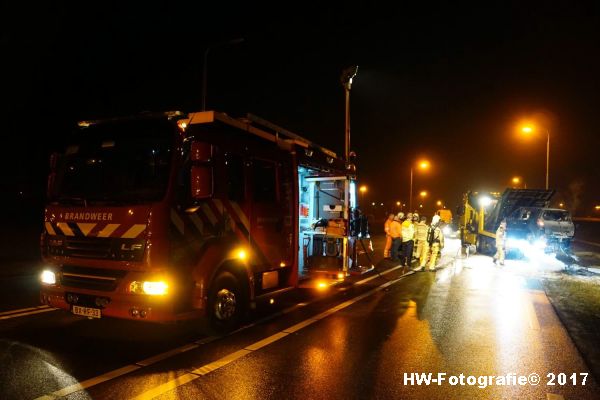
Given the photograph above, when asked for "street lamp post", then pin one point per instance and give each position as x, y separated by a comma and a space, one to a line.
530, 129
205, 69
362, 190
410, 193
347, 75
547, 158
422, 165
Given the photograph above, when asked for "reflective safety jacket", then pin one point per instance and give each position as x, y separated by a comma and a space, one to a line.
437, 236
421, 231
386, 226
500, 236
395, 229
408, 231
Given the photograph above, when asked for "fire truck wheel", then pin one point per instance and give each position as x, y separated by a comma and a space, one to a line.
227, 301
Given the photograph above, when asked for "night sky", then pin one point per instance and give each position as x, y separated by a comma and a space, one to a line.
448, 83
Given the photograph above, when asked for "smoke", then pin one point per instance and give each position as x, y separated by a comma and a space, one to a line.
574, 195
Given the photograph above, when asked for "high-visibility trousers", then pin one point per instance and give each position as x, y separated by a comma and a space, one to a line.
419, 244
424, 253
435, 251
388, 246
499, 254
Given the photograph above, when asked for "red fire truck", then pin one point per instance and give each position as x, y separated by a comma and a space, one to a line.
167, 217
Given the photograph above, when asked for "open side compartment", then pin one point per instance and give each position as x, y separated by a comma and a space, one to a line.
324, 210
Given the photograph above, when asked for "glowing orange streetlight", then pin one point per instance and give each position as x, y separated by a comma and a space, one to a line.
423, 193
422, 165
363, 189
439, 203
527, 129
398, 203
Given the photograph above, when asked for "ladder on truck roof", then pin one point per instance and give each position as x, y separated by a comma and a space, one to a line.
256, 126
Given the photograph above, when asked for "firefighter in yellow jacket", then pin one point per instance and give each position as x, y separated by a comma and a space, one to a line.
500, 243
435, 239
421, 246
408, 240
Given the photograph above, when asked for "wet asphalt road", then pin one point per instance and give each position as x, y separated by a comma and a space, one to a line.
356, 342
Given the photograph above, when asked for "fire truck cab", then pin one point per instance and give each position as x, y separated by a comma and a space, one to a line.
167, 217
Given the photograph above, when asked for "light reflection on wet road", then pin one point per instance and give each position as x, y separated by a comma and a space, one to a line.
471, 317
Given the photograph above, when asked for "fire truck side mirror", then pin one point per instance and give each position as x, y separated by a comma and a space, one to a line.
201, 184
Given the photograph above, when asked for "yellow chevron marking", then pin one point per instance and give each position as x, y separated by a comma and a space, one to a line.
241, 215
229, 222
177, 221
85, 228
197, 222
209, 214
50, 229
219, 204
65, 228
134, 231
108, 230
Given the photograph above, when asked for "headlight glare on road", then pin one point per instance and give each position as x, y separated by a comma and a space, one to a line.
540, 243
153, 288
48, 277
519, 244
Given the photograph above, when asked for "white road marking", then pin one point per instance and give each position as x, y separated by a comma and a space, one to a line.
587, 242
23, 314
223, 361
167, 354
213, 366
377, 273
20, 310
206, 369
90, 382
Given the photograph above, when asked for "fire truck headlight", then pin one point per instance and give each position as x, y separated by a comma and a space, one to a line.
322, 285
485, 201
48, 277
154, 288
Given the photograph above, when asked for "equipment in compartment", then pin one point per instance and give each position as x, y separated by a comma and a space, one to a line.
323, 222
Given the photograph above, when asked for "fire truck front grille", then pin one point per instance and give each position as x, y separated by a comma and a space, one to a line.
97, 248
88, 247
91, 278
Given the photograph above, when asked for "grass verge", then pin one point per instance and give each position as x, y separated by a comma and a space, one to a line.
577, 303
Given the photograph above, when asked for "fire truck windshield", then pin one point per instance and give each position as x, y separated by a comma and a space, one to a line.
124, 162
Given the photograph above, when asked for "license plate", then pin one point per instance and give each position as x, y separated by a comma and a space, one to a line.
87, 312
